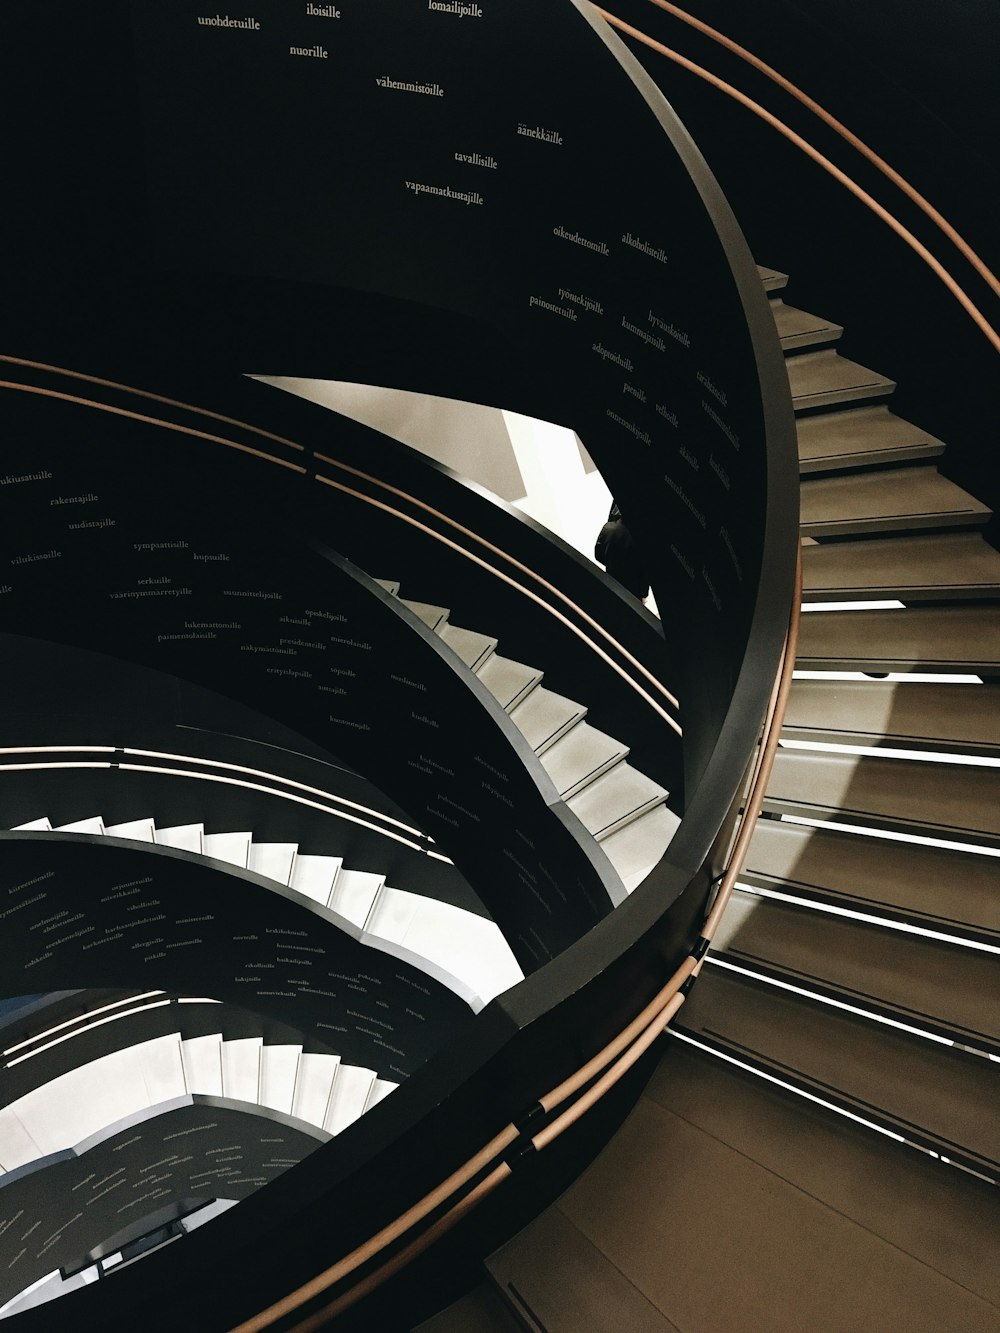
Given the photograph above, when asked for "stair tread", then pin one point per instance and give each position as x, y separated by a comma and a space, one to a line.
798, 328
616, 799
920, 1224
936, 887
241, 1059
860, 437
185, 837
348, 1095
432, 616
278, 1068
943, 566
545, 716
773, 280
821, 378
951, 802
902, 499
936, 986
473, 648
231, 847
468, 948
962, 718
922, 1088
581, 755
390, 585
380, 1089
69, 1108
202, 1060
509, 682
927, 638
635, 849
41, 825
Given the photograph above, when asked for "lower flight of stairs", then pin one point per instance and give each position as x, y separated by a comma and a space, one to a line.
314, 1088
464, 951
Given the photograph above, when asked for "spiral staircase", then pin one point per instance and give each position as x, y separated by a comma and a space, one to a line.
817, 1146
824, 1122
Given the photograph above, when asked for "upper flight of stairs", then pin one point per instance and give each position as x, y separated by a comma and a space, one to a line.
620, 807
849, 1010
464, 951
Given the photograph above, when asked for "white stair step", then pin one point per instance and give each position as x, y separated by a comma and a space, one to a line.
61, 1113
348, 1097
278, 1067
241, 1069
390, 585
17, 1147
233, 848
185, 837
434, 617
93, 825
635, 849
392, 914
163, 1068
773, 280
314, 876
473, 648
509, 682
354, 895
139, 830
378, 1092
273, 859
545, 716
207, 1214
461, 946
581, 756
34, 825
313, 1082
202, 1058
616, 799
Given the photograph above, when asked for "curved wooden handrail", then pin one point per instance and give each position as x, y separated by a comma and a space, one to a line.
900, 181
842, 177
616, 1058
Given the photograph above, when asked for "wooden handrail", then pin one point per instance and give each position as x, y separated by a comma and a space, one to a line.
911, 192
616, 1058
842, 177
